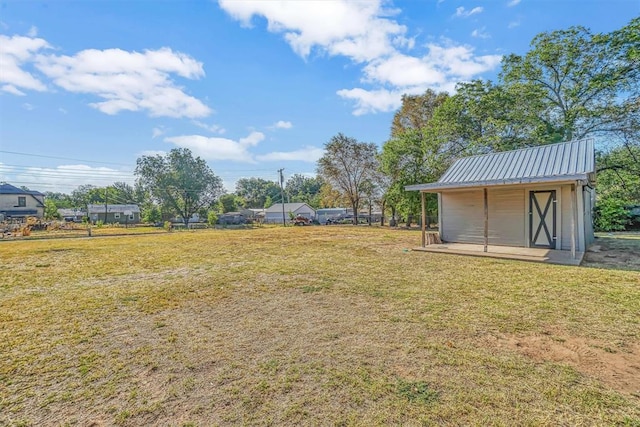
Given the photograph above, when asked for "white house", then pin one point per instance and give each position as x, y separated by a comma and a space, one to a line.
274, 213
538, 197
18, 203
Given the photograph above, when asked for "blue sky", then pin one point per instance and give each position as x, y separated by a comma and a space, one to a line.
86, 87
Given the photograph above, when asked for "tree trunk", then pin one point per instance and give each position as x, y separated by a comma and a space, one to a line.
355, 206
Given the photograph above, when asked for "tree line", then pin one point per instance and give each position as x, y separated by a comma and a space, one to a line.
571, 84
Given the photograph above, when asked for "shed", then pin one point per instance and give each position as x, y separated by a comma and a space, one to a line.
538, 197
273, 214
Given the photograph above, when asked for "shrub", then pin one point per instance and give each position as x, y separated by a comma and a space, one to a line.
212, 217
611, 215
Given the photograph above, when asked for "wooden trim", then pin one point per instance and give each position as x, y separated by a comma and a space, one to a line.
486, 220
574, 222
423, 224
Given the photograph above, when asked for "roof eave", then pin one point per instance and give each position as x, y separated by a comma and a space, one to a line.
436, 187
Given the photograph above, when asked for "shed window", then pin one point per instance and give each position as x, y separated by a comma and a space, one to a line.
131, 217
116, 215
22, 201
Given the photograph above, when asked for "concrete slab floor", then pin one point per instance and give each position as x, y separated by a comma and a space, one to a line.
507, 252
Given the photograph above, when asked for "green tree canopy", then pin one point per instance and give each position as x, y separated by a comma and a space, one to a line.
305, 189
255, 191
587, 83
180, 181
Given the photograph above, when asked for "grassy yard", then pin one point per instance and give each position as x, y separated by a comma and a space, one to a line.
309, 326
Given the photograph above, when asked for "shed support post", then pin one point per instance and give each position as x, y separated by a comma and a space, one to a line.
486, 221
574, 209
423, 224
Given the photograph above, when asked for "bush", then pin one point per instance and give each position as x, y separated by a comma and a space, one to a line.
611, 215
212, 217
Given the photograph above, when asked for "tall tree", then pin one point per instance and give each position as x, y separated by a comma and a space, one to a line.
416, 111
180, 181
229, 203
349, 165
411, 158
255, 191
587, 83
301, 188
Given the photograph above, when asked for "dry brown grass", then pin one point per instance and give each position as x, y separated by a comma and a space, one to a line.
305, 326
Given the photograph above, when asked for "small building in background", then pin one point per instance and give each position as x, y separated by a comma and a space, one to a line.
326, 214
16, 203
273, 214
72, 215
112, 214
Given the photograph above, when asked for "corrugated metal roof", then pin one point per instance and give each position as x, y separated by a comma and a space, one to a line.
571, 160
99, 209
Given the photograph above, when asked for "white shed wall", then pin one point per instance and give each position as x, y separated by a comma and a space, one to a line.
462, 218
506, 216
566, 217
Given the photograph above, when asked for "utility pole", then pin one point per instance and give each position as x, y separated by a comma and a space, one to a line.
106, 193
284, 220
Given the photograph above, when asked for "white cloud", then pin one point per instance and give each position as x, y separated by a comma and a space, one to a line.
366, 33
513, 3
211, 128
359, 30
461, 12
440, 69
15, 53
513, 24
480, 33
28, 106
158, 131
216, 148
371, 101
62, 110
64, 178
402, 71
33, 31
281, 124
307, 154
130, 81
13, 90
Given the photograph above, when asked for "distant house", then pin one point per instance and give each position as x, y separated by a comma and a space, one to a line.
273, 214
72, 215
18, 203
111, 214
538, 197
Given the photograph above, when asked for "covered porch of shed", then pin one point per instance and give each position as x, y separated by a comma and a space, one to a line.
550, 256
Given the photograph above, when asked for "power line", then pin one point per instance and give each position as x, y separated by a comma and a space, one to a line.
62, 158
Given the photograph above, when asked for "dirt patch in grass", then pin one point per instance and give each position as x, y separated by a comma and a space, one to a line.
615, 250
616, 366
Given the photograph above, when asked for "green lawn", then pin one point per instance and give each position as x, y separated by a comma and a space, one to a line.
309, 326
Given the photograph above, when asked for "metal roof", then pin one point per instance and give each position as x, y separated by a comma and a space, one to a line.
566, 161
99, 209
